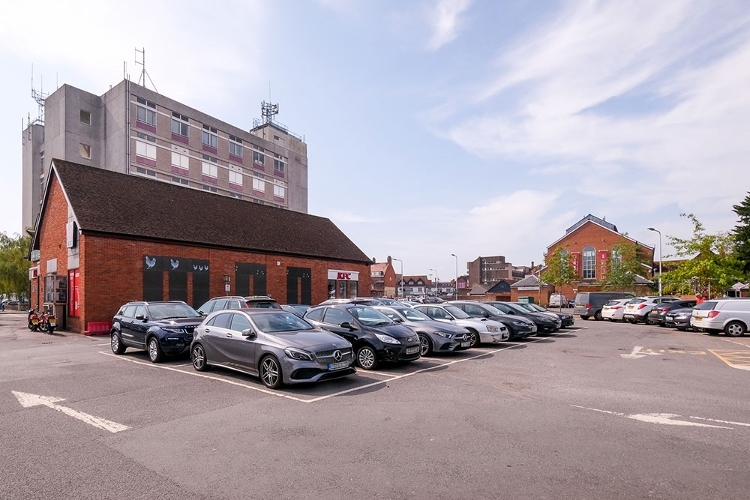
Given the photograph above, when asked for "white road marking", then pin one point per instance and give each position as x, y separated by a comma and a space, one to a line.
663, 418
28, 400
637, 353
722, 421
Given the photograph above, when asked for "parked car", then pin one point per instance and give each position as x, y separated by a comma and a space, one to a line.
434, 336
566, 319
238, 302
298, 309
390, 302
658, 314
274, 345
374, 336
160, 328
679, 318
637, 310
544, 323
481, 330
588, 304
518, 327
558, 300
367, 301
614, 309
732, 316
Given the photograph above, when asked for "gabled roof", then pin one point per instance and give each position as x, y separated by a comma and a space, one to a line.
121, 205
599, 222
501, 286
479, 289
379, 267
529, 280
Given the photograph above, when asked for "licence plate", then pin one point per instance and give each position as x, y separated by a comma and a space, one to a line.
465, 344
338, 366
698, 319
412, 350
52, 322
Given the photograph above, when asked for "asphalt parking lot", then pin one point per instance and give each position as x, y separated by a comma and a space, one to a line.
599, 410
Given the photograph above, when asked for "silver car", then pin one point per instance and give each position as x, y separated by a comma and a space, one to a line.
481, 330
274, 345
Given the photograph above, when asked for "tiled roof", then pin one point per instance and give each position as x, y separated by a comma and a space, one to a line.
131, 206
529, 280
380, 266
594, 219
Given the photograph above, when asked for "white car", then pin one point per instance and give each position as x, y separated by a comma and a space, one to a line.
729, 315
614, 309
482, 330
639, 307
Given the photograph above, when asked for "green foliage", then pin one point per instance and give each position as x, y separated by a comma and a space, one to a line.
625, 262
14, 265
710, 262
559, 270
741, 236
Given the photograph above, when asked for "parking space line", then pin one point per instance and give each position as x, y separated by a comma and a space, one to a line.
390, 376
736, 359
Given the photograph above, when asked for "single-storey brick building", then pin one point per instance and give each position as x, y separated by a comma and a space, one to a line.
104, 238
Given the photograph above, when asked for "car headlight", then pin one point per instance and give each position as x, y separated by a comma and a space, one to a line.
444, 334
173, 329
520, 323
387, 339
298, 354
491, 328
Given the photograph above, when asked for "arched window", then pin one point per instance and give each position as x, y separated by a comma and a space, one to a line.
589, 263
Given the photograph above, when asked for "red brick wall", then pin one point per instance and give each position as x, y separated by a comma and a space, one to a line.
111, 269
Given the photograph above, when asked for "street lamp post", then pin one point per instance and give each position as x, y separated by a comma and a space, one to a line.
660, 256
402, 276
455, 288
431, 269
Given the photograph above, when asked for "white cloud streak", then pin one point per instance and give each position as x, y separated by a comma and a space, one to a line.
445, 21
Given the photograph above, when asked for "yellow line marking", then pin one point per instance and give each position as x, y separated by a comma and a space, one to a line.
735, 359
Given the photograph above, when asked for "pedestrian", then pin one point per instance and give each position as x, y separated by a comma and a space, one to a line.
699, 298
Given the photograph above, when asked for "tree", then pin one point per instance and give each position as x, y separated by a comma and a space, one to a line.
742, 236
709, 264
14, 265
624, 263
559, 270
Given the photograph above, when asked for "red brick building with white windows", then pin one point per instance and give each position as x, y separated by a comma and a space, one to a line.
589, 243
105, 238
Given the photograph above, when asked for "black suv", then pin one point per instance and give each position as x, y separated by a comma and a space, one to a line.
374, 336
238, 302
158, 327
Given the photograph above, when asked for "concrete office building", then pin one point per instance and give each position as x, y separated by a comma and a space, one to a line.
134, 130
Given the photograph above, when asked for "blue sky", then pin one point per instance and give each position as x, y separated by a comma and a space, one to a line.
474, 127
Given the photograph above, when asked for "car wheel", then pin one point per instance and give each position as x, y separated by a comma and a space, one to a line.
473, 338
366, 358
155, 354
584, 317
632, 321
270, 372
425, 345
598, 315
735, 329
198, 356
116, 343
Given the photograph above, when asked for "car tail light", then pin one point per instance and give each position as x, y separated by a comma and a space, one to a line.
712, 314
641, 306
588, 306
616, 307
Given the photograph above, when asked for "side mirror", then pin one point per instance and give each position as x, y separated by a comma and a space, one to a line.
142, 317
348, 325
398, 320
485, 314
249, 333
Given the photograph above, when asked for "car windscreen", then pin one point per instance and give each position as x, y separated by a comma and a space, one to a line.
518, 307
279, 322
456, 312
493, 310
412, 314
636, 301
370, 316
171, 310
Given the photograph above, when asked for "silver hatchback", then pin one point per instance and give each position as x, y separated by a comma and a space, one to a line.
274, 345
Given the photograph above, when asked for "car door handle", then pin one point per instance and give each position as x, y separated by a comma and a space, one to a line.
229, 335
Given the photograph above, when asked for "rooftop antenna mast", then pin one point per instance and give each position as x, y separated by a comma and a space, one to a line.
144, 73
268, 111
39, 96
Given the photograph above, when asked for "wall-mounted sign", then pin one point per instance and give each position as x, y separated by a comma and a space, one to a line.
343, 275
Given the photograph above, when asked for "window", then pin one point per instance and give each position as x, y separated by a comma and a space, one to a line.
84, 150
235, 178
589, 263
617, 255
210, 138
145, 171
85, 117
180, 124
209, 169
145, 150
278, 167
279, 191
259, 185
235, 146
210, 188
232, 194
258, 157
145, 112
180, 180
181, 162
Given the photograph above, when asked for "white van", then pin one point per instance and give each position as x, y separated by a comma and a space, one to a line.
557, 300
730, 315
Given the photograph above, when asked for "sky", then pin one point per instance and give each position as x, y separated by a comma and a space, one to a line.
434, 127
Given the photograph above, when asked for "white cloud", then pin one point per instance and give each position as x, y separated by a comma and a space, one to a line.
445, 21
